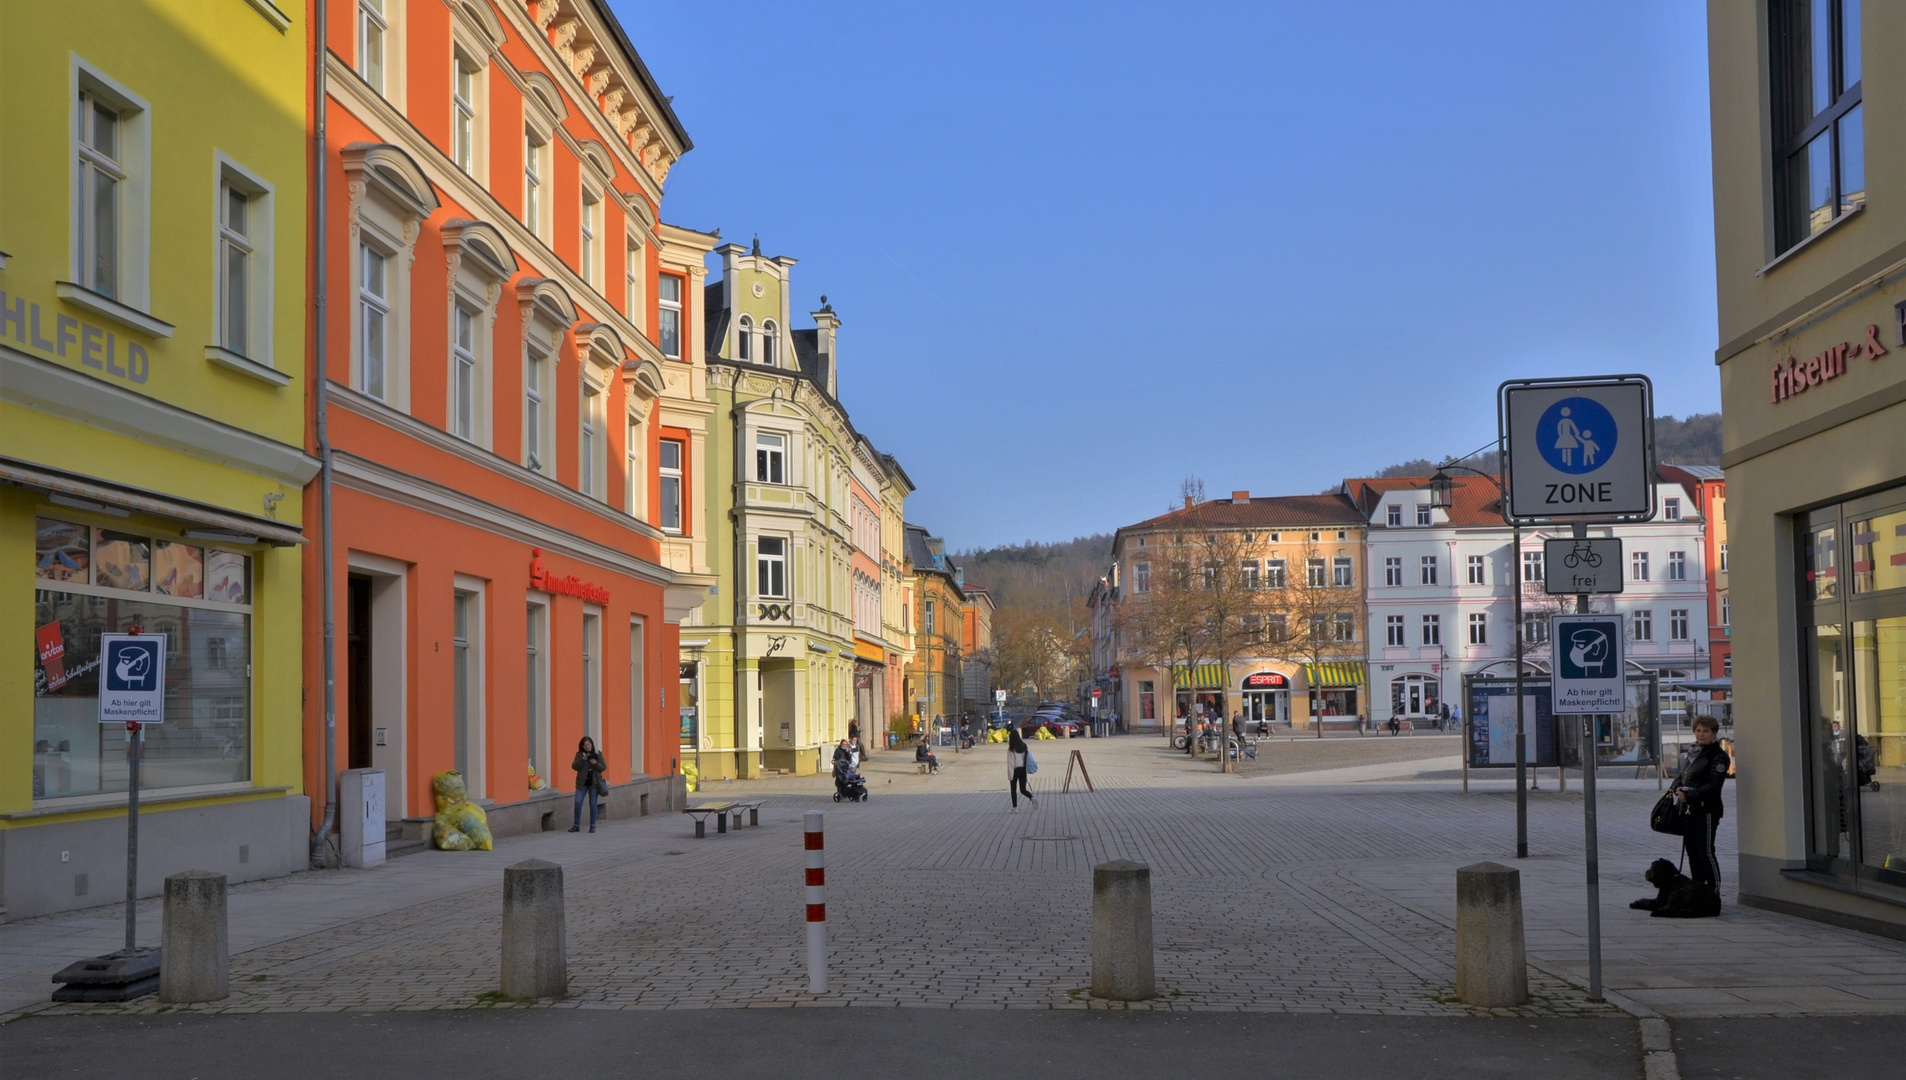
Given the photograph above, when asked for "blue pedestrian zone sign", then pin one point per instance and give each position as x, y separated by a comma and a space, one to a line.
131, 678
1587, 674
1579, 450
1576, 435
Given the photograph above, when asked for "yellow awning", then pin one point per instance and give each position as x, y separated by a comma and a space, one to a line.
1334, 673
1202, 677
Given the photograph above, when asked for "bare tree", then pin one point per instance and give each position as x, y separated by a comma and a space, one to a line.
1315, 613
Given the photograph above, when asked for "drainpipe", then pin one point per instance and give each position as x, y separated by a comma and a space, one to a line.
320, 839
737, 513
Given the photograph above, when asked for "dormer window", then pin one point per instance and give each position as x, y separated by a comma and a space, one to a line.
1423, 513
1394, 515
744, 339
767, 342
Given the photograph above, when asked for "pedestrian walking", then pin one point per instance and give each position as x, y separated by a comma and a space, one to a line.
1698, 788
590, 767
1016, 759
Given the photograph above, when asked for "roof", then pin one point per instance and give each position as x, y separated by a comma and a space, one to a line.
807, 353
1273, 511
1476, 502
662, 102
1704, 472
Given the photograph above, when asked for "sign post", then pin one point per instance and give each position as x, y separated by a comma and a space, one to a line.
1577, 452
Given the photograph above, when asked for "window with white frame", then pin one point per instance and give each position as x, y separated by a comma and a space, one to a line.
767, 342
1340, 573
374, 320
465, 86
536, 425
1141, 577
1432, 629
1532, 566
668, 326
535, 170
1535, 630
536, 681
1671, 509
1423, 514
1644, 625
467, 682
1426, 570
1677, 624
1393, 570
588, 250
771, 567
1343, 627
635, 495
465, 385
1478, 628
1393, 631
1315, 573
244, 265
633, 267
1476, 570
1211, 570
1393, 515
744, 339
770, 458
592, 676
1722, 562
671, 479
373, 26
1274, 574
1726, 620
1248, 574
111, 192
1638, 566
1677, 566
1276, 628
589, 462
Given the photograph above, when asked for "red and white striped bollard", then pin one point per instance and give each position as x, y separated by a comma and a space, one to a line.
816, 905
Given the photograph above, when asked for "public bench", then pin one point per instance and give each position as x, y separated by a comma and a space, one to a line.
752, 806
720, 810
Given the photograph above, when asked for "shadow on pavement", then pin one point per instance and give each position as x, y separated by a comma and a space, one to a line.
1791, 1048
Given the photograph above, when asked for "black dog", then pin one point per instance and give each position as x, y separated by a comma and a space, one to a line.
1690, 902
1667, 880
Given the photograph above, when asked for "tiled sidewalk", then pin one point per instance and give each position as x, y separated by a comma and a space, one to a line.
1272, 892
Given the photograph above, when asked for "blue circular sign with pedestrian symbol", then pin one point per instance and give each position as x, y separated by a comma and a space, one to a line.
1576, 435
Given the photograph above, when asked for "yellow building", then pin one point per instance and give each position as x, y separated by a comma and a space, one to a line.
152, 289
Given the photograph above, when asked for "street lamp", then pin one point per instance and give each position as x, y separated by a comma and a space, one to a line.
1443, 496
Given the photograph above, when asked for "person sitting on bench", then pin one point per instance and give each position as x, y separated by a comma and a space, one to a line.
923, 754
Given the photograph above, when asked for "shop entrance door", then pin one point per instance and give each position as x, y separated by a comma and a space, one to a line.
357, 672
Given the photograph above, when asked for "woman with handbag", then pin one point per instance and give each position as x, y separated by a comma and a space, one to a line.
1018, 759
1698, 790
590, 781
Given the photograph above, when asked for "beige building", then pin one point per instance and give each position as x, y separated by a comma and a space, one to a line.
1811, 277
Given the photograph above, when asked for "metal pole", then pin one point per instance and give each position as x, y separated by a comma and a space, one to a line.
134, 741
1593, 856
321, 410
816, 903
1522, 750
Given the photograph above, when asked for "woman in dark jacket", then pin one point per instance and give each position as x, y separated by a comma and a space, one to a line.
1699, 789
590, 767
1016, 756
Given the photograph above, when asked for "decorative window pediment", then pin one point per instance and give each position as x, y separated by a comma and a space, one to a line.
598, 157
544, 94
390, 175
478, 246
645, 377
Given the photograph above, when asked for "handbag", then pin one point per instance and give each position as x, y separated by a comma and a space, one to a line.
1668, 815
1031, 765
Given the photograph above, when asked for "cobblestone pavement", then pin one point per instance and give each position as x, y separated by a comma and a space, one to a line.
1279, 891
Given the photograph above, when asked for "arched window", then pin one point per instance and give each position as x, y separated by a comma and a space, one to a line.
767, 342
744, 339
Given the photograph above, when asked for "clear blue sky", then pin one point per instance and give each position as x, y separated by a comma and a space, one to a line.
1080, 251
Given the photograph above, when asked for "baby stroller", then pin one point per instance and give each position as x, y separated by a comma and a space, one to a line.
848, 785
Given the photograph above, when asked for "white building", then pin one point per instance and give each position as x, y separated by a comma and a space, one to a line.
1441, 590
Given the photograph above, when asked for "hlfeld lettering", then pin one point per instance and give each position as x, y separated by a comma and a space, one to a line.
97, 349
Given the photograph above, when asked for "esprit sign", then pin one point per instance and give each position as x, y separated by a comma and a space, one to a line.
1578, 449
1797, 376
565, 585
1267, 680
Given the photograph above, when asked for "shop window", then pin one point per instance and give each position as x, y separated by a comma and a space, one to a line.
91, 582
638, 697
689, 681
668, 289
1393, 570
1147, 700
1819, 146
466, 683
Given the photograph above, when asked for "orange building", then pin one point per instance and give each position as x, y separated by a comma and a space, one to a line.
496, 335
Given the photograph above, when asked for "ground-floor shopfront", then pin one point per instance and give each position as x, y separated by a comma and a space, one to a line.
1262, 691
1817, 526
492, 649
797, 695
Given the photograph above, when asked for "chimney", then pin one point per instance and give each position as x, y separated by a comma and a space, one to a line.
825, 323
1187, 502
1240, 496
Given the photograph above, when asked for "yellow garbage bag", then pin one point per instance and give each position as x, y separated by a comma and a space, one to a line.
459, 824
1042, 733
692, 775
1001, 735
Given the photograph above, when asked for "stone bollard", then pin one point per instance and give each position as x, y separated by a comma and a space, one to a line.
1491, 965
1122, 931
194, 946
534, 962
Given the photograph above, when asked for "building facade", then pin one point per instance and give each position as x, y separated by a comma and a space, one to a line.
1708, 485
498, 339
1811, 276
938, 603
152, 290
976, 646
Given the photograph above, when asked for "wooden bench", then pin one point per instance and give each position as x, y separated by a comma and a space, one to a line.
721, 810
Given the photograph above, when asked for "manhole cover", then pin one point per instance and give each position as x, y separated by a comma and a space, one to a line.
1048, 838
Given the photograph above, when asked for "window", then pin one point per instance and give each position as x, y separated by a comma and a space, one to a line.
588, 467
1677, 624
927, 619
1422, 513
1209, 577
744, 339
102, 180
635, 501
463, 373
466, 693
1253, 628
767, 342
1393, 631
534, 152
591, 226
1671, 509
770, 458
1723, 558
537, 682
89, 581
1727, 666
1644, 625
1535, 630
1427, 571
1478, 628
592, 676
1532, 566
1276, 627
668, 290
535, 423
1638, 566
1393, 515
1314, 573
1319, 628
771, 566
1147, 700
1476, 570
1432, 629
373, 304
671, 474
1677, 566
1142, 577
1274, 577
1247, 574
372, 27
1393, 570
632, 285
1725, 620
1820, 161
244, 265
463, 113
1343, 627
